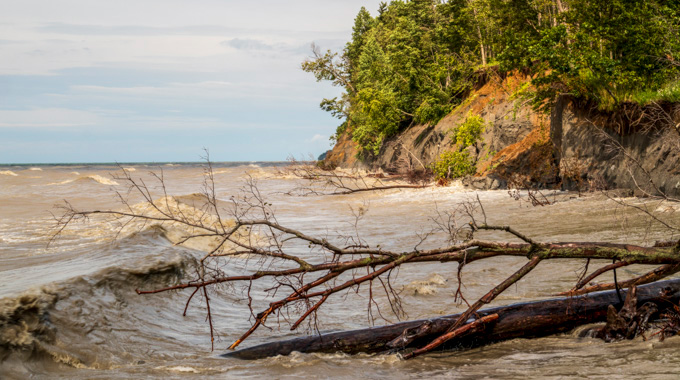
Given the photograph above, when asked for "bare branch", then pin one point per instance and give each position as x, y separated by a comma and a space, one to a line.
317, 181
246, 226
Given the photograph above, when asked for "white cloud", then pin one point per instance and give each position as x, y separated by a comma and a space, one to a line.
47, 118
169, 34
256, 53
317, 138
152, 16
246, 44
205, 92
160, 65
109, 120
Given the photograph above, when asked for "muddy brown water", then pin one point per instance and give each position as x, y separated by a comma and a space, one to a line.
70, 311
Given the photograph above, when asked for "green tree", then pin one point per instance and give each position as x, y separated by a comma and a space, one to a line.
418, 59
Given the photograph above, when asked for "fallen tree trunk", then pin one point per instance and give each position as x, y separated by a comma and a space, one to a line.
524, 320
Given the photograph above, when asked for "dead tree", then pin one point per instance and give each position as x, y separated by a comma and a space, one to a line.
246, 226
524, 320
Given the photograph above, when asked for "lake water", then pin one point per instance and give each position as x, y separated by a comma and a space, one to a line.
70, 310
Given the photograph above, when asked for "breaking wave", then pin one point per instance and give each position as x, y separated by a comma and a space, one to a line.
191, 208
71, 322
24, 322
8, 172
92, 317
223, 171
88, 178
194, 210
427, 287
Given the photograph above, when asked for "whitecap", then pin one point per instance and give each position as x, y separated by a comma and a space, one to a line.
219, 172
9, 172
427, 287
93, 177
192, 208
424, 290
99, 179
130, 169
668, 208
181, 369
61, 183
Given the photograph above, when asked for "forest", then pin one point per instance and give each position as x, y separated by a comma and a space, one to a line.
415, 61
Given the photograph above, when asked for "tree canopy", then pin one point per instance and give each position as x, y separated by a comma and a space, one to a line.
416, 60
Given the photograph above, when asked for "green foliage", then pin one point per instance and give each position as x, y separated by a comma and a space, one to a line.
668, 93
431, 111
377, 118
606, 50
470, 131
417, 60
410, 64
451, 165
336, 107
363, 24
342, 128
458, 164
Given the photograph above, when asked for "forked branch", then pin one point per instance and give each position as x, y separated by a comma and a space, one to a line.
315, 269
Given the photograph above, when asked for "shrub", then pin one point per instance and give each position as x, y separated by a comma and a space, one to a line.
453, 165
468, 133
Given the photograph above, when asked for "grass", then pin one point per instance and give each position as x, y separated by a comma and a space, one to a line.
669, 93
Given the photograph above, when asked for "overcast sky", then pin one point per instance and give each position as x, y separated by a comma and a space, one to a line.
159, 80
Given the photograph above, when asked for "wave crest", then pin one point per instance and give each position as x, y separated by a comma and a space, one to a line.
24, 322
88, 178
62, 322
194, 210
427, 287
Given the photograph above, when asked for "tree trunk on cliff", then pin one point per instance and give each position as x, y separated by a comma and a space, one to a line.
477, 21
524, 320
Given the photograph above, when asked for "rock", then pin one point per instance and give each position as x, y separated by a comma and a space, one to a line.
420, 145
564, 149
495, 184
472, 152
651, 153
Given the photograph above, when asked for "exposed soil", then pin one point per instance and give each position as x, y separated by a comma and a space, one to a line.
575, 147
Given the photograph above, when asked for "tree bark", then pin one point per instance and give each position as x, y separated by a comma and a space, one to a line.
524, 320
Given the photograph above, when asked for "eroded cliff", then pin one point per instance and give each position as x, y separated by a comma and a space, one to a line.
577, 146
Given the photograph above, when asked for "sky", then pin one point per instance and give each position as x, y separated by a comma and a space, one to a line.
160, 80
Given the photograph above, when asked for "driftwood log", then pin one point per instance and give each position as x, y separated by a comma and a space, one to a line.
524, 320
